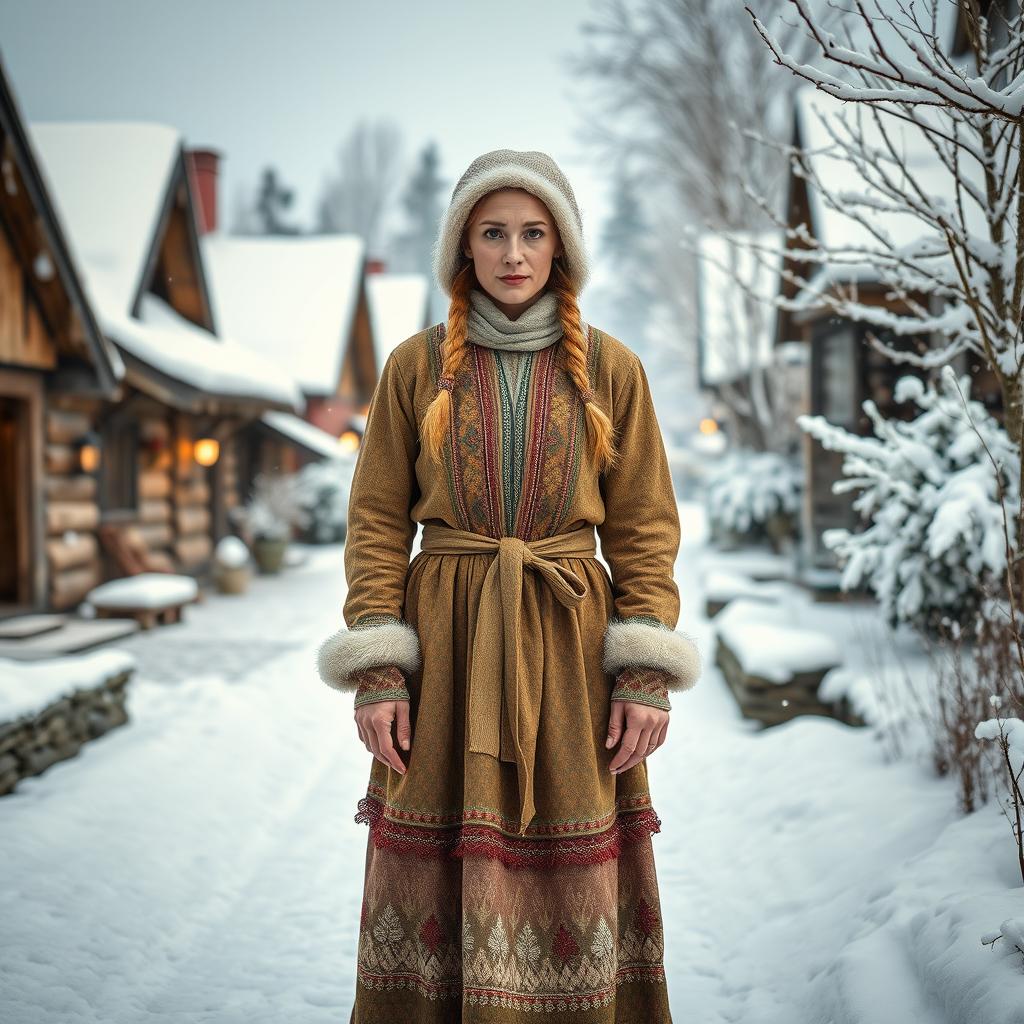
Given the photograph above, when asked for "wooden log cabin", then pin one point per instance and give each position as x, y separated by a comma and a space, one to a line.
55, 364
322, 306
157, 448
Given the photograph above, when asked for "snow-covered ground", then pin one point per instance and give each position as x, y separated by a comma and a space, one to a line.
201, 864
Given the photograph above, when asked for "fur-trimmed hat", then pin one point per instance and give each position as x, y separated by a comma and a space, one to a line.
528, 169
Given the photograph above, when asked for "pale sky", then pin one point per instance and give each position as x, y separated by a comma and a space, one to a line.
282, 83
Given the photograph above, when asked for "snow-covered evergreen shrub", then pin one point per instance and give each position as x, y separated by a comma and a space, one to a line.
929, 492
322, 489
745, 489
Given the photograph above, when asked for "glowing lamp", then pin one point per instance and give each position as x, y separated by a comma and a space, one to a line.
88, 446
206, 450
348, 442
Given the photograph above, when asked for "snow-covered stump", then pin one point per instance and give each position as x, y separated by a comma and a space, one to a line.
775, 670
50, 709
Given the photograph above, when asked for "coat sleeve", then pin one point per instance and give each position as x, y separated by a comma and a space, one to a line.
640, 538
378, 542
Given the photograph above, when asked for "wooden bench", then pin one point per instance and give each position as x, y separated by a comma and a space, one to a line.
149, 590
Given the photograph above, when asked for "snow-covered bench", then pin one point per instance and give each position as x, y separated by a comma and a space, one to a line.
774, 668
149, 597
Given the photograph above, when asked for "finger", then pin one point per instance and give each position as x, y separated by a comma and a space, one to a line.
614, 723
657, 738
388, 754
371, 739
626, 747
362, 731
641, 748
402, 727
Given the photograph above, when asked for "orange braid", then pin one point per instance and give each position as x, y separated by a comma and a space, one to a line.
603, 452
454, 348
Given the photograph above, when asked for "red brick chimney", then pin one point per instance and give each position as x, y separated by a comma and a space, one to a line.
203, 165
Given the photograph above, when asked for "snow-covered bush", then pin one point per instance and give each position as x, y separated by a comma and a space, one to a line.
323, 489
273, 509
750, 493
1008, 734
935, 539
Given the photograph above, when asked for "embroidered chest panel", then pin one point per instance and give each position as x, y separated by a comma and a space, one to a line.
513, 452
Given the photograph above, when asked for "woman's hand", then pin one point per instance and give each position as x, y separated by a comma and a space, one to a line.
381, 697
374, 724
642, 729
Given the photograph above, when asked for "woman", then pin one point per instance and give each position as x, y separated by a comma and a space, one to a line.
509, 867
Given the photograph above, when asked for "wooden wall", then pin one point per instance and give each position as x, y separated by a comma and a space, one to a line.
175, 498
71, 504
23, 337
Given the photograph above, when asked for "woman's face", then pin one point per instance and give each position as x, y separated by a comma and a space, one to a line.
512, 239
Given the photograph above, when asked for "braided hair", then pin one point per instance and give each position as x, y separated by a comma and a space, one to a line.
602, 451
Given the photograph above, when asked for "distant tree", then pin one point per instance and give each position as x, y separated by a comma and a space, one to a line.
423, 203
273, 199
627, 250
355, 197
670, 78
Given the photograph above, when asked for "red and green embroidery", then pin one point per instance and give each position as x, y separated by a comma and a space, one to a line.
512, 463
534, 941
643, 685
382, 682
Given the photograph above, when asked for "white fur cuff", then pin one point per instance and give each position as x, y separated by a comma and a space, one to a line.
638, 642
351, 650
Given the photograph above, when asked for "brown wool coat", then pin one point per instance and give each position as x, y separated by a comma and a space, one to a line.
396, 487
455, 802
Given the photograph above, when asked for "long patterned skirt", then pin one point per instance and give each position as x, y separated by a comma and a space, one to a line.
464, 920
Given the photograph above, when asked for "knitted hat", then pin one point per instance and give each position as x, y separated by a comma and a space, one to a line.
528, 169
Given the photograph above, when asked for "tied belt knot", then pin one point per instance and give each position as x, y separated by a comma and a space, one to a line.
502, 707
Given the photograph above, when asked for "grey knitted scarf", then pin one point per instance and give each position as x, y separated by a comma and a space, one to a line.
535, 328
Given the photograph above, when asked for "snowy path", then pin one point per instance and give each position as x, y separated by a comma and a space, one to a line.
202, 864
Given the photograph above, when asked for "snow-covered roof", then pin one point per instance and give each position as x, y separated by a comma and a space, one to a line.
292, 298
398, 309
303, 432
816, 113
109, 182
217, 366
737, 320
110, 179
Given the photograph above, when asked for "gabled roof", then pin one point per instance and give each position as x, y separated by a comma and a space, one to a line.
736, 320
399, 308
105, 361
114, 184
112, 179
291, 298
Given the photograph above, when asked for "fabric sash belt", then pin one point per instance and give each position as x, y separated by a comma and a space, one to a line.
503, 707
